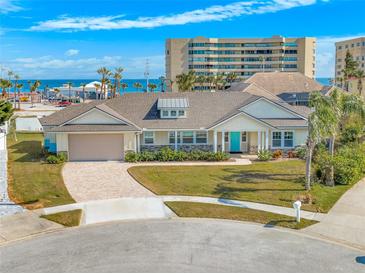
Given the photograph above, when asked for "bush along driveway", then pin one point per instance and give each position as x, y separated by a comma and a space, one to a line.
32, 182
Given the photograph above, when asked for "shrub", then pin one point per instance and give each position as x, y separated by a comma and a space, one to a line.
264, 155
147, 156
53, 159
277, 154
301, 152
348, 164
292, 154
131, 157
57, 159
167, 154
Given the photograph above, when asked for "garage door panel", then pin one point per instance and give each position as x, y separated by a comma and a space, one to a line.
94, 147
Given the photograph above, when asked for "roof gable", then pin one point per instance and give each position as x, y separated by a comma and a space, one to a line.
95, 116
263, 108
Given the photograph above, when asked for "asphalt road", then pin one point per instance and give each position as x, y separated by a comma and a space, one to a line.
177, 246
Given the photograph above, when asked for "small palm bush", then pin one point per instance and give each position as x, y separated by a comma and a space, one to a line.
264, 155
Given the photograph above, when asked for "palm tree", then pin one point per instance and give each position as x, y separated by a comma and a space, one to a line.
343, 106
210, 81
4, 84
360, 75
19, 87
201, 79
33, 90
10, 74
137, 85
123, 86
83, 85
219, 81
69, 84
231, 77
117, 78
186, 81
16, 78
162, 83
152, 86
97, 87
321, 123
105, 74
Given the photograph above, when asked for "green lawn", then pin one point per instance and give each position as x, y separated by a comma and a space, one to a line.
32, 182
277, 183
68, 218
202, 210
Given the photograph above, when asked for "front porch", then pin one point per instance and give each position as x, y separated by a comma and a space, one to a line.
246, 142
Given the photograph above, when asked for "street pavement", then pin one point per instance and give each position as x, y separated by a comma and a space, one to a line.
178, 245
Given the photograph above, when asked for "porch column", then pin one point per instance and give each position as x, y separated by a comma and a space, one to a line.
215, 148
175, 140
138, 143
259, 140
267, 139
223, 144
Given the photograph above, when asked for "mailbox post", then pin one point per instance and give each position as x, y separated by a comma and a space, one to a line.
297, 206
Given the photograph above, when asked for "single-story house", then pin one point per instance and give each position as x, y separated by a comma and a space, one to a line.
240, 122
293, 88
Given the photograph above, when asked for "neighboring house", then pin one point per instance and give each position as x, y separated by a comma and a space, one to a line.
292, 87
216, 121
28, 124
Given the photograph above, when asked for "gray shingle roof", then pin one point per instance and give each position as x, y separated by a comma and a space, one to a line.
140, 110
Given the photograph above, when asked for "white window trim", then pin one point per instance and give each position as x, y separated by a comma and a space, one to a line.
169, 116
153, 138
180, 142
282, 139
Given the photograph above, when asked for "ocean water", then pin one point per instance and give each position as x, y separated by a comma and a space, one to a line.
77, 82
129, 82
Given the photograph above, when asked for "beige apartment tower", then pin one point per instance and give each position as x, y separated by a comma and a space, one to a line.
356, 47
243, 56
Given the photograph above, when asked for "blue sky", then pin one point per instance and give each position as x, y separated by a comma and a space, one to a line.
60, 39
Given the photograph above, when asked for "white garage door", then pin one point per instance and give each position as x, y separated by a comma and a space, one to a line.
94, 147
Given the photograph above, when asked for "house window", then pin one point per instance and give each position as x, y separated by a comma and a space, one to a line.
181, 113
172, 137
201, 137
165, 113
149, 137
188, 137
173, 113
276, 139
288, 139
244, 137
226, 137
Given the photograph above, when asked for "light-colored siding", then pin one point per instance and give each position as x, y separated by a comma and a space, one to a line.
300, 137
265, 109
62, 142
95, 117
129, 141
241, 123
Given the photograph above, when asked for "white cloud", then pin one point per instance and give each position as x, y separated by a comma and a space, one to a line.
212, 13
326, 54
72, 52
7, 6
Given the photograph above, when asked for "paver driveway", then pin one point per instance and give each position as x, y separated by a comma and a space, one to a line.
88, 181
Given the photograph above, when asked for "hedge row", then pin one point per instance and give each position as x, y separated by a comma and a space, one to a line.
166, 155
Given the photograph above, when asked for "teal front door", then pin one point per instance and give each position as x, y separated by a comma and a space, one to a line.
235, 141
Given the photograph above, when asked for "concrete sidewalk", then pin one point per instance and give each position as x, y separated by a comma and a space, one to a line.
23, 225
345, 222
243, 204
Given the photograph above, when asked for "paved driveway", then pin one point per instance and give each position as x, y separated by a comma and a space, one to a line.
88, 181
177, 246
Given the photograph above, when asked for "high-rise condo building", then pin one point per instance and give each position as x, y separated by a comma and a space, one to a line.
357, 49
243, 56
